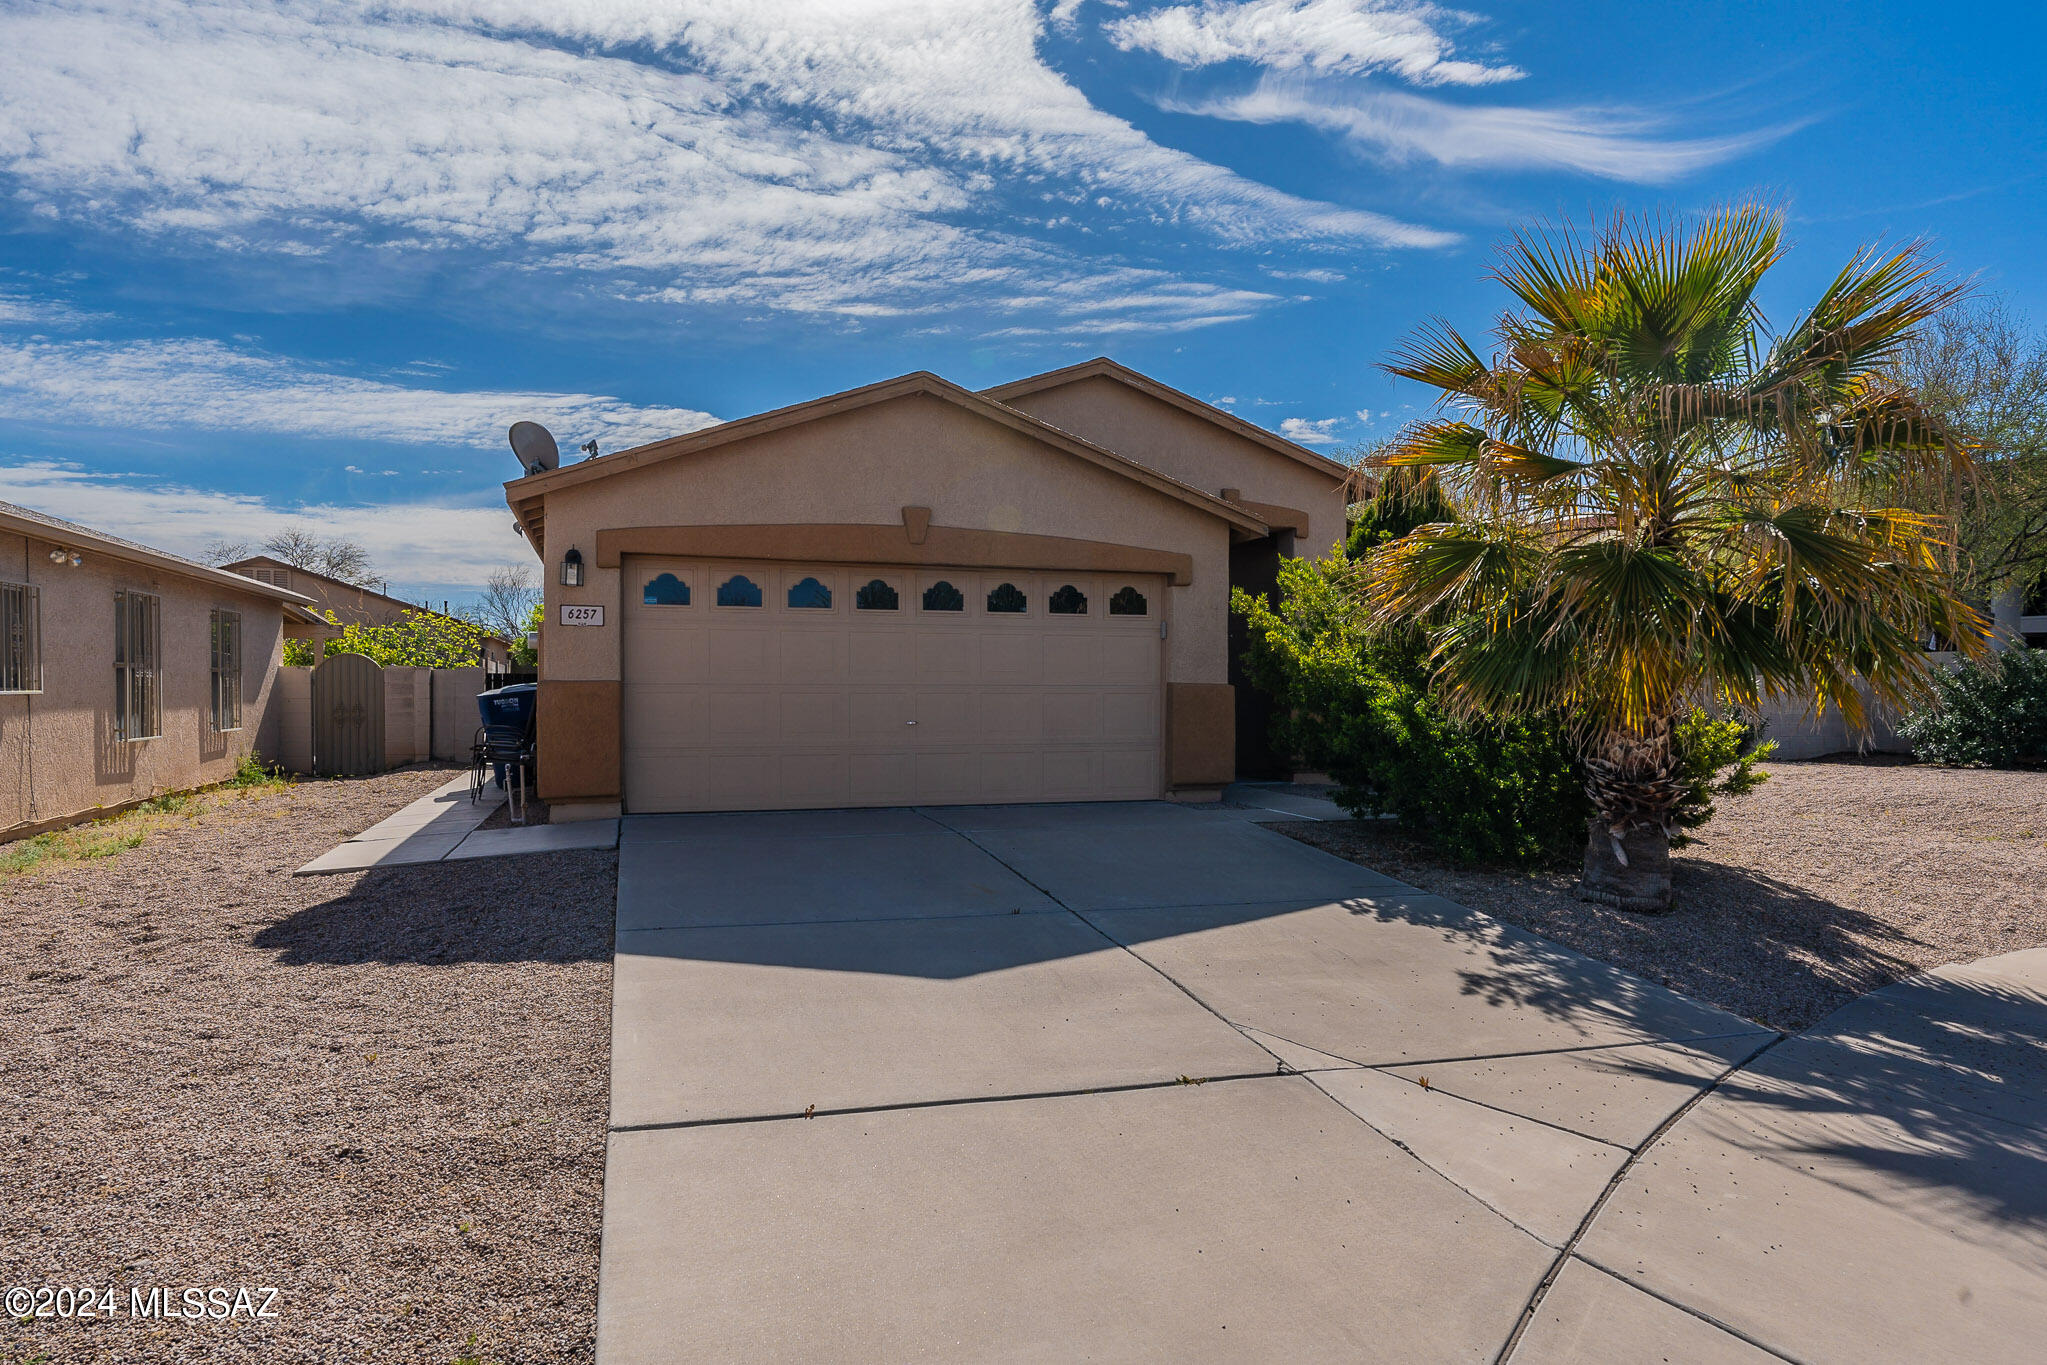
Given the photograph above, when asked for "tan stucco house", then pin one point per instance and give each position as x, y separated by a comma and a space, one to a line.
126, 671
351, 604
912, 593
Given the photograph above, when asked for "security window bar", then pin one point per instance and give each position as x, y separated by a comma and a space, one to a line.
227, 670
21, 645
138, 683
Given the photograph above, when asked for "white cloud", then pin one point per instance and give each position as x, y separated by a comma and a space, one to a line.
1321, 432
1401, 127
205, 384
1363, 414
1313, 276
23, 308
409, 542
794, 154
1065, 14
1327, 37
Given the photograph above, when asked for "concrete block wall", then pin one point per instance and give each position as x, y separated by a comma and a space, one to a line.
428, 713
295, 719
454, 710
408, 714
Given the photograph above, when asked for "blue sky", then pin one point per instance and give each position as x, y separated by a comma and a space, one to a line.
275, 261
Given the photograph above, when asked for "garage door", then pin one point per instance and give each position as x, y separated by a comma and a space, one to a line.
753, 686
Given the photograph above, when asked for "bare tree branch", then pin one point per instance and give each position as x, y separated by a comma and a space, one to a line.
219, 551
335, 556
507, 599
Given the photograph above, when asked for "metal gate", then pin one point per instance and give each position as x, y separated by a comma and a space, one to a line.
348, 717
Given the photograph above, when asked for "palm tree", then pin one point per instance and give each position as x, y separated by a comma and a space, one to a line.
1661, 503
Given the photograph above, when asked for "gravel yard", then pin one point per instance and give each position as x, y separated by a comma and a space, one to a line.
1830, 880
383, 1093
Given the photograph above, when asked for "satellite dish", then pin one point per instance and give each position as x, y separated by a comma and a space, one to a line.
535, 447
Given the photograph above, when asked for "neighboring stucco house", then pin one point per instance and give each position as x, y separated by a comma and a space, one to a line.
125, 671
913, 593
352, 603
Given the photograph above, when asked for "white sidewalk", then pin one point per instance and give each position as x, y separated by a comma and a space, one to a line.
442, 826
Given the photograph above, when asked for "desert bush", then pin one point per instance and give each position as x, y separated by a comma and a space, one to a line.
1987, 715
1356, 703
252, 774
1717, 757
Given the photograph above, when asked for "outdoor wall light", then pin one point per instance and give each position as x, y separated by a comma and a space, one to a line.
572, 568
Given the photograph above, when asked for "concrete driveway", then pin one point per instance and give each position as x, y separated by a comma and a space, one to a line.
1132, 1082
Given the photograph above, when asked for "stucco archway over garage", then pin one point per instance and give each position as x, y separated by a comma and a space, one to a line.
742, 652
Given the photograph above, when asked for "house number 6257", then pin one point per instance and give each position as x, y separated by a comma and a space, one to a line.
581, 616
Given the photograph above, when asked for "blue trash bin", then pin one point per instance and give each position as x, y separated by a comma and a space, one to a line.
512, 706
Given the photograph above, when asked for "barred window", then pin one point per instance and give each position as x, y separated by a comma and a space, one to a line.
227, 669
138, 681
21, 645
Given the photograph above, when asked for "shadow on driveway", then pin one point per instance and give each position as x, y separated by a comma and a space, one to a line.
1748, 942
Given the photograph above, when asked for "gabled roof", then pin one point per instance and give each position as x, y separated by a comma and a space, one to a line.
527, 496
271, 561
70, 535
1101, 367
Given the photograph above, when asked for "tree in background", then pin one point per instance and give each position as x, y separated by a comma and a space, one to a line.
417, 639
302, 548
1660, 503
1983, 375
334, 556
221, 550
525, 645
507, 601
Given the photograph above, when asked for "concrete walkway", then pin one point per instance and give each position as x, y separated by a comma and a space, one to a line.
442, 827
1108, 1082
1874, 1189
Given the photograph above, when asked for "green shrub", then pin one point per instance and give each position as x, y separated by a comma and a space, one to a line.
252, 774
1989, 715
1356, 704
1709, 748
1406, 497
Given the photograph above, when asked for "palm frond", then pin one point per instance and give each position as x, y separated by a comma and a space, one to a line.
1456, 565
1441, 358
1425, 444
1658, 501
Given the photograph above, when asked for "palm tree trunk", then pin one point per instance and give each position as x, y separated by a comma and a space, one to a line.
1635, 781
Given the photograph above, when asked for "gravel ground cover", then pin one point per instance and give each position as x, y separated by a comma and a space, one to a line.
382, 1093
1830, 880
